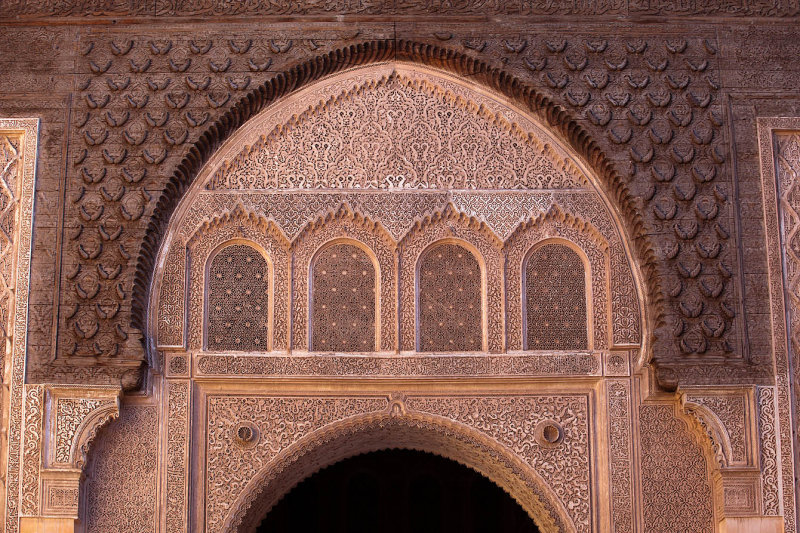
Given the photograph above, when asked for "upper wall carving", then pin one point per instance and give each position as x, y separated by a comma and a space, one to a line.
398, 133
413, 118
170, 8
153, 107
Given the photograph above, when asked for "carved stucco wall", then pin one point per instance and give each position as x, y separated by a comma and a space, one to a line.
654, 105
675, 120
120, 487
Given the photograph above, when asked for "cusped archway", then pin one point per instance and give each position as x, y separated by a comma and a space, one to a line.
402, 430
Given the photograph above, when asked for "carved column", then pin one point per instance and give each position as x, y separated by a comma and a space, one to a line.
739, 423
60, 423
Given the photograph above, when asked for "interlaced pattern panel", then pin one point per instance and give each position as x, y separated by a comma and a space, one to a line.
9, 170
449, 300
556, 299
238, 300
343, 300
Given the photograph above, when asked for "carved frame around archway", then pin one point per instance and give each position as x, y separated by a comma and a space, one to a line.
397, 428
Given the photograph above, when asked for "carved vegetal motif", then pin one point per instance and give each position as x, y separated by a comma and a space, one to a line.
177, 456
779, 155
620, 444
71, 415
788, 178
498, 436
239, 226
770, 477
32, 449
346, 226
172, 298
676, 489
625, 321
10, 176
280, 422
730, 419
513, 421
399, 142
450, 226
122, 474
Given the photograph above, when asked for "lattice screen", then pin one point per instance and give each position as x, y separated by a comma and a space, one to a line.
449, 300
238, 300
556, 299
343, 300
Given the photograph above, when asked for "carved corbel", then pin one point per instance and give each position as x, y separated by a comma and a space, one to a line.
73, 417
727, 416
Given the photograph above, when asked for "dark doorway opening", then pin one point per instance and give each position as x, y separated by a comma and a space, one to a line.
397, 491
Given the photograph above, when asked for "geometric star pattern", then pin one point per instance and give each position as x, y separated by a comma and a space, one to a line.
556, 299
238, 301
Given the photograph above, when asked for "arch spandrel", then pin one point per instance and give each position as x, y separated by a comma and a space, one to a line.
431, 425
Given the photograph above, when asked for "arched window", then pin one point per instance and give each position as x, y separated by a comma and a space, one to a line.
449, 305
238, 294
555, 296
343, 300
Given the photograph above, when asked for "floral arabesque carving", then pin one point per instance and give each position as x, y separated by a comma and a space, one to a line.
388, 134
74, 417
677, 492
17, 475
60, 424
122, 473
726, 416
448, 225
550, 226
620, 455
345, 225
172, 299
400, 426
234, 226
778, 144
280, 422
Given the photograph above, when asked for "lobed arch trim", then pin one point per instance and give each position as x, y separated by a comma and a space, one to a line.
397, 428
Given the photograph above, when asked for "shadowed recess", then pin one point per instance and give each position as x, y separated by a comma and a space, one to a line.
397, 491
